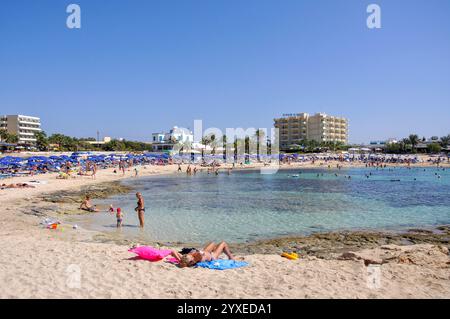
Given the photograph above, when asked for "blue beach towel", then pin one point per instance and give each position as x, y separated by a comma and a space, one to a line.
222, 264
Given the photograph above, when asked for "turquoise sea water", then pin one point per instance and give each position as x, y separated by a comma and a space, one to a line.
247, 205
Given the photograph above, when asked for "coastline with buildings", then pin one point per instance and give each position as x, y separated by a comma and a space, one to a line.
297, 132
419, 268
307, 205
224, 150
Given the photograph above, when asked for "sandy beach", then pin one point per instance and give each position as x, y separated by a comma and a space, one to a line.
40, 263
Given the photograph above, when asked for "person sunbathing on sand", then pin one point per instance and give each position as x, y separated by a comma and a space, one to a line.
18, 185
209, 252
87, 205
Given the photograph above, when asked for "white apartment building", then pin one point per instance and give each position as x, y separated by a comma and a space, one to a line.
166, 141
320, 127
23, 126
176, 134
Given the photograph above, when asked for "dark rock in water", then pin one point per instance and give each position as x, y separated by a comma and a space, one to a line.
39, 212
422, 231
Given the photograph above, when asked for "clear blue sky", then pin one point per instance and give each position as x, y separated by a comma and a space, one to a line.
137, 67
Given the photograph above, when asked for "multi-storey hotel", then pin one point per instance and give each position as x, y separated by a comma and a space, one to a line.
320, 127
23, 126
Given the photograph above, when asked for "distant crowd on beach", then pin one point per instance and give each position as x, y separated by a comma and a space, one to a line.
75, 165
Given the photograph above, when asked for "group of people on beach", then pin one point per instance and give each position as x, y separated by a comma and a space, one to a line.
87, 205
210, 170
187, 257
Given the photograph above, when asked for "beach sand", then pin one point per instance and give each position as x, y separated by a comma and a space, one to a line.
70, 263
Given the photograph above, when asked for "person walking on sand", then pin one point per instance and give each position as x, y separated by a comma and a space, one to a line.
140, 209
94, 170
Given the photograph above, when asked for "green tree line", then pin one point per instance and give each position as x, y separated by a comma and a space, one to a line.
61, 142
409, 144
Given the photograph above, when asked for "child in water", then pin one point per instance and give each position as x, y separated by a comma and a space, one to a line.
119, 217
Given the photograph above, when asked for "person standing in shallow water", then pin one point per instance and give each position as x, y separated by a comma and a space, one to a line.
140, 209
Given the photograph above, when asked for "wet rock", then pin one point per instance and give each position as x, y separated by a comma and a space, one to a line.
420, 231
98, 191
330, 245
368, 260
372, 261
348, 256
39, 212
443, 249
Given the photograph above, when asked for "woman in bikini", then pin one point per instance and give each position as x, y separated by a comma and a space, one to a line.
209, 252
140, 209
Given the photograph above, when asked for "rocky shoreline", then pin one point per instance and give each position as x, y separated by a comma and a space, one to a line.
96, 191
66, 202
329, 245
333, 244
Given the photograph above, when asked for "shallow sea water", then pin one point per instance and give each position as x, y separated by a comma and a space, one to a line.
248, 205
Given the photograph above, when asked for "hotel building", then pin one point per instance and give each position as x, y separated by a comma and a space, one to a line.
21, 125
320, 127
166, 141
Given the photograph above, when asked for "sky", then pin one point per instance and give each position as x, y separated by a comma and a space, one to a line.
138, 67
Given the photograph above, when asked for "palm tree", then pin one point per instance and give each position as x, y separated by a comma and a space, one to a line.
312, 145
445, 140
224, 145
205, 141
247, 148
269, 146
404, 144
184, 146
8, 137
413, 140
12, 138
3, 134
41, 141
213, 143
235, 145
259, 134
